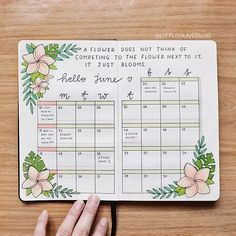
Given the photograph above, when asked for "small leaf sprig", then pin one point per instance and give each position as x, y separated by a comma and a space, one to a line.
204, 160
172, 190
200, 148
58, 191
65, 52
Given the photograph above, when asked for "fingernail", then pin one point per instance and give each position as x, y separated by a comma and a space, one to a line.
79, 205
94, 199
103, 222
44, 213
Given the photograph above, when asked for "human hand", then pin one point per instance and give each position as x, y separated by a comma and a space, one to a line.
78, 221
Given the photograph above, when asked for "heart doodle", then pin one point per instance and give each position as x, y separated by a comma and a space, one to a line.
129, 78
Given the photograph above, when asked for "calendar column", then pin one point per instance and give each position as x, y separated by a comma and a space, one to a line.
47, 133
189, 116
105, 146
150, 128
131, 147
85, 146
170, 130
66, 144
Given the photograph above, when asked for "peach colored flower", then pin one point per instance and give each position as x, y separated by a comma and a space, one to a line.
38, 61
39, 86
194, 180
37, 181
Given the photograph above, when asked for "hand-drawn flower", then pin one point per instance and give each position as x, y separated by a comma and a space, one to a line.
37, 181
194, 180
38, 61
39, 86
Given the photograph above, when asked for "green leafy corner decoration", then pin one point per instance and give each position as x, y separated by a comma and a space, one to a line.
37, 65
197, 177
38, 179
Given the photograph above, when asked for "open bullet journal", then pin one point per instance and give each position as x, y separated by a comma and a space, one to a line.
127, 120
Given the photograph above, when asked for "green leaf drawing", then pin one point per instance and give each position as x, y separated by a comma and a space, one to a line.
29, 48
58, 191
36, 161
165, 192
66, 52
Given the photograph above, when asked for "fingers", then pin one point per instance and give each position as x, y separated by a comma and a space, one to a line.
69, 222
40, 228
101, 228
85, 222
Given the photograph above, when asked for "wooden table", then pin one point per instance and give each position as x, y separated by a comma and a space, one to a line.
123, 19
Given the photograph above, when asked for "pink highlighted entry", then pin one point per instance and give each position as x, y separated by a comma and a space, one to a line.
47, 103
47, 149
47, 125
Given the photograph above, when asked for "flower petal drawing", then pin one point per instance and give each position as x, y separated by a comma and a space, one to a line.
39, 51
203, 188
28, 183
189, 170
37, 189
46, 59
32, 68
194, 180
33, 173
43, 68
46, 185
29, 58
202, 174
186, 182
43, 175
191, 191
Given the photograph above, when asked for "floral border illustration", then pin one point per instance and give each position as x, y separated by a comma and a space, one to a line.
37, 66
39, 180
197, 177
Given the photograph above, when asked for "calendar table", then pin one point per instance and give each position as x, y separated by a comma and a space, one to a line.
77, 138
159, 132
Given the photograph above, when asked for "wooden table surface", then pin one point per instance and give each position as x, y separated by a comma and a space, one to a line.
121, 19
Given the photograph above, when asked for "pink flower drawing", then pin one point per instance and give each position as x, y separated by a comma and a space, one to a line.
39, 86
38, 61
37, 181
194, 180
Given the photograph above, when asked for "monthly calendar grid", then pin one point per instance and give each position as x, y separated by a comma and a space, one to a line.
49, 125
180, 149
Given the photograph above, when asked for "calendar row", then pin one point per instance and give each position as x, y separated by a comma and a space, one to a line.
71, 137
67, 113
83, 161
156, 160
88, 183
164, 113
140, 183
134, 136
174, 89
160, 136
